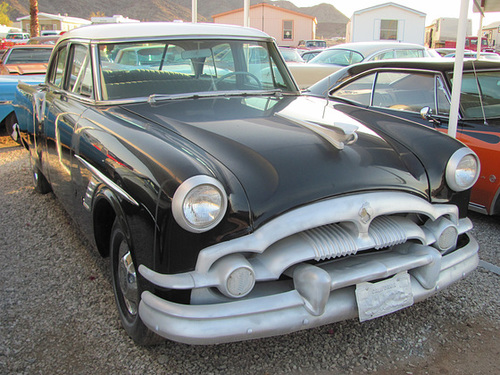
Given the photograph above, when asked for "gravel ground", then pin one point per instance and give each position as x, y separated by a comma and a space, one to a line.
58, 314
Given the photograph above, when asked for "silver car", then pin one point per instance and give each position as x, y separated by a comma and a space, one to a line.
339, 56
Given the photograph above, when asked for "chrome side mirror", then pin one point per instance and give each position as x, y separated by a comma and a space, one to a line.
427, 114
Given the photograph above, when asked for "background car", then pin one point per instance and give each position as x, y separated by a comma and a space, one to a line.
25, 59
8, 86
336, 57
227, 200
405, 88
473, 55
312, 44
291, 55
446, 51
310, 54
50, 39
12, 39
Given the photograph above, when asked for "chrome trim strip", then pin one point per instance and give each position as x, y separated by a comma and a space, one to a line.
478, 208
105, 180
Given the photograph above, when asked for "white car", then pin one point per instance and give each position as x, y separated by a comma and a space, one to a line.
337, 57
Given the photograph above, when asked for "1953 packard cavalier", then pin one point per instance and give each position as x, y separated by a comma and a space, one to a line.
231, 206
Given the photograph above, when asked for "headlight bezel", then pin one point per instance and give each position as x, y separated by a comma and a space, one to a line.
186, 190
453, 166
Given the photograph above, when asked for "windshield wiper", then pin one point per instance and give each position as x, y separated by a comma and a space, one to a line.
209, 94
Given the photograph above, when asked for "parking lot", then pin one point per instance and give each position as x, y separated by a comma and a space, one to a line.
59, 317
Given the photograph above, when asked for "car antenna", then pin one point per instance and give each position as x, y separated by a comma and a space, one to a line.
480, 93
326, 97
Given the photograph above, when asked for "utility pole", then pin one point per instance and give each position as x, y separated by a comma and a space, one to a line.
34, 24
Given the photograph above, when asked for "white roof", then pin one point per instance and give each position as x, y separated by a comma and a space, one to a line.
57, 17
387, 5
121, 31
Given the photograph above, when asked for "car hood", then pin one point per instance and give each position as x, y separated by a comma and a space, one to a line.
38, 68
309, 73
273, 148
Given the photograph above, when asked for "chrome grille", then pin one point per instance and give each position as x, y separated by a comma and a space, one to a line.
330, 241
386, 232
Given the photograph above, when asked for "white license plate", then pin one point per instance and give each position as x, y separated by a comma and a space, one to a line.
384, 297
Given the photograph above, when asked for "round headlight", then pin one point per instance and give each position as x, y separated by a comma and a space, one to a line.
462, 170
199, 204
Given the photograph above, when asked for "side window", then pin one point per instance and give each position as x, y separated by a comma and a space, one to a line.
409, 53
57, 68
80, 79
383, 56
404, 91
359, 91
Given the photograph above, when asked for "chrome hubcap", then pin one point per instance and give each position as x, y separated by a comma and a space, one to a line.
127, 278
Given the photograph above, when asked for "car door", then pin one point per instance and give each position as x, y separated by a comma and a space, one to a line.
62, 110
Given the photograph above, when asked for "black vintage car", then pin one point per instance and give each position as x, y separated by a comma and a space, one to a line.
233, 207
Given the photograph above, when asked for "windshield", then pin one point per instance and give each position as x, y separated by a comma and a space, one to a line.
28, 55
481, 94
291, 55
190, 66
342, 57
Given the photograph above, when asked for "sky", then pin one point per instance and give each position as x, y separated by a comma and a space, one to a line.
432, 8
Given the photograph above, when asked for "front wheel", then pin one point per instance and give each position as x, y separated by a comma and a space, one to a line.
40, 183
127, 287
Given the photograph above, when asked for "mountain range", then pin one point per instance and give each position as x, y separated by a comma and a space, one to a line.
331, 22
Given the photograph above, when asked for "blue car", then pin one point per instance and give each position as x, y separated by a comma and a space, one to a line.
8, 86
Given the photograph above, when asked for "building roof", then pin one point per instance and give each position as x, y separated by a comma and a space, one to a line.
154, 30
57, 17
384, 5
493, 25
263, 5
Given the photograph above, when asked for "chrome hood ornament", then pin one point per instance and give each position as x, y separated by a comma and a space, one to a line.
337, 134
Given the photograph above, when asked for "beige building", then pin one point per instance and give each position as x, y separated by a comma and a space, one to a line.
492, 32
442, 30
49, 21
286, 26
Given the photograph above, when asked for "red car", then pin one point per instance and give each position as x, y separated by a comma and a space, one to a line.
12, 39
25, 59
420, 90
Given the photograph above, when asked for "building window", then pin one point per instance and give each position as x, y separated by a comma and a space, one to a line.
287, 30
389, 30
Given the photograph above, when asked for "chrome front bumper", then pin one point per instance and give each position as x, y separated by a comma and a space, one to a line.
325, 295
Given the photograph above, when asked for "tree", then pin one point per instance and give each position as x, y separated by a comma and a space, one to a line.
97, 14
4, 18
34, 24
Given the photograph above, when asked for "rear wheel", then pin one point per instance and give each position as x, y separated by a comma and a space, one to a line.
127, 287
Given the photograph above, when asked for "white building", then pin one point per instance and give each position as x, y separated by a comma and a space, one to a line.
388, 21
57, 22
115, 19
492, 32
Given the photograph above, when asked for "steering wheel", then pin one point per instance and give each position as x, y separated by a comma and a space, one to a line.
220, 79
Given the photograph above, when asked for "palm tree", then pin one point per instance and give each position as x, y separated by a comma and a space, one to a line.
34, 25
